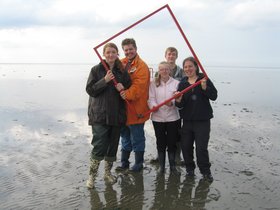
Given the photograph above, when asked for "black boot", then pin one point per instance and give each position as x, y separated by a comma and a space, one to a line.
124, 161
139, 160
161, 158
173, 169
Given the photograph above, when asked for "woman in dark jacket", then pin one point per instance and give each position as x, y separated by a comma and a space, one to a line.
106, 111
196, 112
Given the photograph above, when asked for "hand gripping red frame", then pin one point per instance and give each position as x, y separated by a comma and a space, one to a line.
187, 42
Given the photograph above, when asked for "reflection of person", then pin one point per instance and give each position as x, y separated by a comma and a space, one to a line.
201, 193
166, 119
132, 135
106, 111
95, 200
171, 55
110, 196
172, 191
132, 191
195, 200
196, 112
110, 200
167, 198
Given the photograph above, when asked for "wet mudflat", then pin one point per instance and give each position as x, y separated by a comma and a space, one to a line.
45, 147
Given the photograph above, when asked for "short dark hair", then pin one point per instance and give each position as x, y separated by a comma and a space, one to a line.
128, 41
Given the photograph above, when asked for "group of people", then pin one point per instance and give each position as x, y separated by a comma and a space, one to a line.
121, 95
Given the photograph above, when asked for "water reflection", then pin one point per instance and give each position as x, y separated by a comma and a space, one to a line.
132, 191
110, 196
169, 193
106, 200
166, 197
95, 200
185, 199
194, 196
201, 193
174, 194
129, 190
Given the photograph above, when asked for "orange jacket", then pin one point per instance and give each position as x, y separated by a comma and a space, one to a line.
138, 93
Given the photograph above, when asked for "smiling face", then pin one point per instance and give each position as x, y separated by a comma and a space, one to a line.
171, 56
111, 54
164, 71
190, 69
130, 51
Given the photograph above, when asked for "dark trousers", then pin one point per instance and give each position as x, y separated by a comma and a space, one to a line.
198, 133
105, 141
167, 135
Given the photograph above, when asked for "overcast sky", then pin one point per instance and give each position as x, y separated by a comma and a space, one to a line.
221, 32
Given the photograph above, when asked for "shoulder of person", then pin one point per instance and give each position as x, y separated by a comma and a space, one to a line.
124, 61
201, 75
184, 79
175, 81
97, 67
153, 82
139, 60
183, 83
179, 68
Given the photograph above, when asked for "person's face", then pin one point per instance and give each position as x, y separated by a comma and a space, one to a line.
129, 51
164, 71
189, 69
171, 56
110, 55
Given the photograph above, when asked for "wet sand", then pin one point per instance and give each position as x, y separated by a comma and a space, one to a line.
45, 147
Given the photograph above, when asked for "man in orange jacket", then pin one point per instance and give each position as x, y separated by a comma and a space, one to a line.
132, 135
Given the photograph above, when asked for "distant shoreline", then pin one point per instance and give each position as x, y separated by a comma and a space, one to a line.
206, 66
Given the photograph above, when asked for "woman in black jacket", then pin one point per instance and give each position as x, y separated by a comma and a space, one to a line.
106, 111
196, 112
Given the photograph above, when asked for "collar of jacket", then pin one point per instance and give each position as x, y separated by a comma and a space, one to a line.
167, 82
134, 61
199, 77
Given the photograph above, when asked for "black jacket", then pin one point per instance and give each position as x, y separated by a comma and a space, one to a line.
195, 104
105, 104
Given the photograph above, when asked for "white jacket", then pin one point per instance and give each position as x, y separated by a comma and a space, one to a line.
160, 94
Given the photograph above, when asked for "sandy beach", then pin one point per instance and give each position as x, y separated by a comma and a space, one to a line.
45, 146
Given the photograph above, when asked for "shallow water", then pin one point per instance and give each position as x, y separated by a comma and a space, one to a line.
45, 146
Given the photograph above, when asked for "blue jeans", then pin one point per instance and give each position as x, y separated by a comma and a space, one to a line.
133, 138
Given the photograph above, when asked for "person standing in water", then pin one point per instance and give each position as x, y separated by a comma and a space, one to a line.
166, 119
132, 135
106, 111
196, 112
171, 55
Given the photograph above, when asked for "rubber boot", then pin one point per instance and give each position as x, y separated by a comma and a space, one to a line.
124, 161
139, 160
172, 164
94, 164
161, 158
108, 176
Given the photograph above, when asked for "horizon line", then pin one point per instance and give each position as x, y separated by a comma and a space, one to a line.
84, 63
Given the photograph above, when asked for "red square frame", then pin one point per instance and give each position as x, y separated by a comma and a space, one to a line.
184, 37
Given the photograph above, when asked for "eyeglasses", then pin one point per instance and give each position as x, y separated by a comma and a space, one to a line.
164, 69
